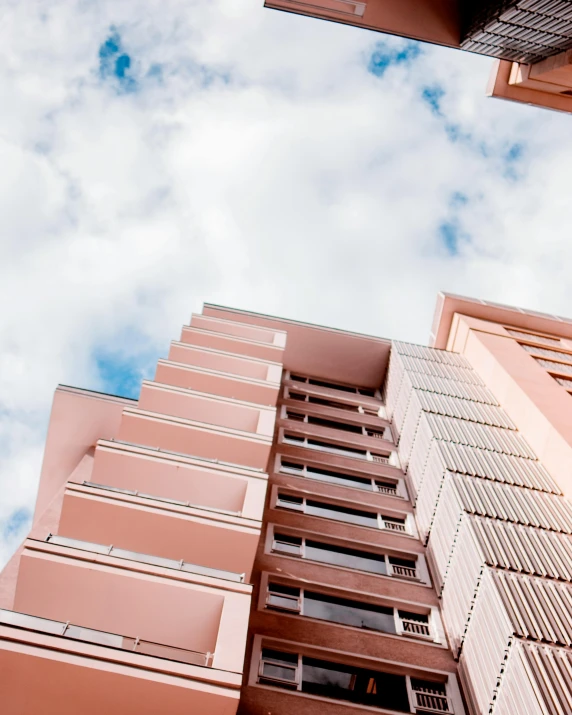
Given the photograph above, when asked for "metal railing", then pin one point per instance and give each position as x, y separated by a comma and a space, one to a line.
109, 640
180, 565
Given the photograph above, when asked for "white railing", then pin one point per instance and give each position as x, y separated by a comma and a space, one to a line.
430, 700
403, 571
415, 628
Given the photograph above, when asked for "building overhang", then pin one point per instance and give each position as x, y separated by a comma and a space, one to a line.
448, 305
314, 350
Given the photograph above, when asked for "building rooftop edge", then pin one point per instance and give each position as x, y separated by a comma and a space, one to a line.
448, 304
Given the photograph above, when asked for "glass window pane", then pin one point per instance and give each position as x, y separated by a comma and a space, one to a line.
278, 656
340, 556
336, 478
332, 511
350, 613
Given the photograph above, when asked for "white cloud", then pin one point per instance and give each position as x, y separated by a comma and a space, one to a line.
258, 164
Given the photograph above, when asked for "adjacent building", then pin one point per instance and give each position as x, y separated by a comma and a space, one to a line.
293, 518
530, 39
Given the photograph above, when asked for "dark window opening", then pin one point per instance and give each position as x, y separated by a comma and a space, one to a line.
297, 396
292, 465
337, 478
327, 445
288, 544
332, 403
341, 556
298, 416
332, 511
349, 613
357, 685
333, 424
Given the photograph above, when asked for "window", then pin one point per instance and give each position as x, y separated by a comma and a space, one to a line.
360, 517
278, 668
330, 608
383, 486
334, 555
353, 684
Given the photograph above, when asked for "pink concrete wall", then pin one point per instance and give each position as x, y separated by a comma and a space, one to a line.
221, 361
78, 420
218, 543
171, 479
195, 439
226, 385
172, 613
197, 407
537, 404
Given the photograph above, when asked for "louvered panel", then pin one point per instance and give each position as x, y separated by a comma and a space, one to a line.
419, 453
402, 403
447, 518
555, 366
461, 582
428, 493
409, 429
464, 409
516, 692
438, 370
547, 352
538, 608
544, 339
551, 668
497, 467
395, 374
486, 642
424, 353
446, 386
524, 548
486, 437
546, 511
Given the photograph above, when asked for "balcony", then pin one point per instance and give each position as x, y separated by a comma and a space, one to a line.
321, 439
181, 480
163, 528
335, 429
221, 374
105, 630
236, 338
401, 524
337, 608
312, 679
230, 431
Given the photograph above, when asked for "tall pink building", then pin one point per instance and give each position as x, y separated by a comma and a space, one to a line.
293, 518
530, 39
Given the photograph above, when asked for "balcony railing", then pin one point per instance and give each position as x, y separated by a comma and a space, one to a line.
430, 700
109, 640
415, 628
142, 495
145, 558
403, 571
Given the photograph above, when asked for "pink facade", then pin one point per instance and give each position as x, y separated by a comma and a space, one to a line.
295, 518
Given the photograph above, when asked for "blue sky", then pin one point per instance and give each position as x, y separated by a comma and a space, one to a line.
158, 153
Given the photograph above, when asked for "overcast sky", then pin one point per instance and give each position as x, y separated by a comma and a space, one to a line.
158, 153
